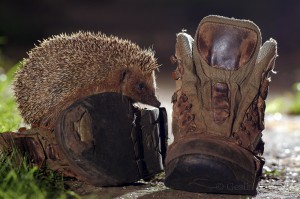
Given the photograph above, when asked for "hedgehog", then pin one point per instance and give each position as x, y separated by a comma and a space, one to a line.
65, 68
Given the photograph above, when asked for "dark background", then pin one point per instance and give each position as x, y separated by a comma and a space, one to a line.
151, 23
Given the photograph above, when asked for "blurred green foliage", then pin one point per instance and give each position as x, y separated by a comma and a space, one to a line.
19, 179
10, 118
288, 103
295, 107
3, 40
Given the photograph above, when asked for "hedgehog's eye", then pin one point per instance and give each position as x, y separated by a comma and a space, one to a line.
141, 86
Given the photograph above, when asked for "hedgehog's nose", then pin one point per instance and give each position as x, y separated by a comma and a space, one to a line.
152, 101
158, 104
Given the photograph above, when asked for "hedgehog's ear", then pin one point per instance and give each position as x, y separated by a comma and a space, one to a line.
125, 74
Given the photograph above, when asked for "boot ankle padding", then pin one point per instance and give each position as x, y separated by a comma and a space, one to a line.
226, 46
185, 83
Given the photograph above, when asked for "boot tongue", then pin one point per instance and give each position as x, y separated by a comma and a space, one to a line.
226, 46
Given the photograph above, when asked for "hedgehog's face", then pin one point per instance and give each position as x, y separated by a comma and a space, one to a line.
140, 87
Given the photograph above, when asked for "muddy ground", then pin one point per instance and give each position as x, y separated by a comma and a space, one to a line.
281, 177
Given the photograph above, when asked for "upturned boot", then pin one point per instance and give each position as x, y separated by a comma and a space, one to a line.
222, 80
101, 139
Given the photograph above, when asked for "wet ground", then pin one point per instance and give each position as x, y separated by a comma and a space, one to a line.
281, 177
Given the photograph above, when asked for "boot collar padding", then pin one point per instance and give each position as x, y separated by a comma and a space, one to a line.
227, 43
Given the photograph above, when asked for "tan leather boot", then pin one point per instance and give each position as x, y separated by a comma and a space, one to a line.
218, 107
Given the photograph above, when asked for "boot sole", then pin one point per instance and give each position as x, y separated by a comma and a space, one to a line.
102, 139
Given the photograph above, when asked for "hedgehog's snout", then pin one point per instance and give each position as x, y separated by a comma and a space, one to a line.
152, 101
156, 103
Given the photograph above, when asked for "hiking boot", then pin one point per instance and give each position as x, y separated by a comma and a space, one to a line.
222, 80
101, 139
107, 141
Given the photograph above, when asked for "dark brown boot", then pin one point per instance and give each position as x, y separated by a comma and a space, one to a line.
101, 139
218, 107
